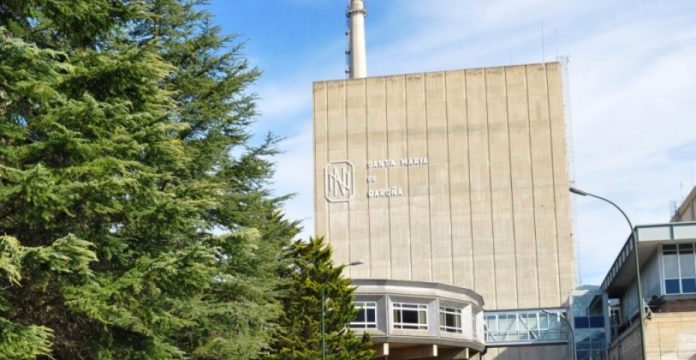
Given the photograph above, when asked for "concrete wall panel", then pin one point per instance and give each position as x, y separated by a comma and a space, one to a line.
321, 157
501, 189
397, 146
522, 187
418, 178
544, 190
566, 260
438, 178
338, 229
458, 143
479, 169
358, 216
377, 148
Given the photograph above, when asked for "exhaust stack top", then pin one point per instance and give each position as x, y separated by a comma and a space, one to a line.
357, 57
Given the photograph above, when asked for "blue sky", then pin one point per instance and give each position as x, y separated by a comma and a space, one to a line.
632, 88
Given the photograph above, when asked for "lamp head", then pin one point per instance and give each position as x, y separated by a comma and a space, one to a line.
355, 263
577, 191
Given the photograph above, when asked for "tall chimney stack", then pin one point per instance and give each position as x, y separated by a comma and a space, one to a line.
358, 56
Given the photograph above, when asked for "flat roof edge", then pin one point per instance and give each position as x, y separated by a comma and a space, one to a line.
438, 71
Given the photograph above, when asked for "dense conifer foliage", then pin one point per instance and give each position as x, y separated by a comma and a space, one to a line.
312, 272
124, 154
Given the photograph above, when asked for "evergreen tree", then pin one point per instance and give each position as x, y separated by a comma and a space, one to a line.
312, 272
118, 119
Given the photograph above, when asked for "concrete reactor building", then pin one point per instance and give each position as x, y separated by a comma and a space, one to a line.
452, 187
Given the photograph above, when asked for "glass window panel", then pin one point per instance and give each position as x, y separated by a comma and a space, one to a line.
685, 232
543, 321
597, 339
366, 317
555, 322
672, 286
582, 322
371, 315
397, 316
451, 320
361, 316
584, 342
671, 266
686, 247
669, 247
492, 323
507, 322
689, 285
410, 316
686, 263
597, 321
532, 322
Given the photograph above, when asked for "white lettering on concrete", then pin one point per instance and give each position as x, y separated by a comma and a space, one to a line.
379, 164
385, 193
389, 163
414, 161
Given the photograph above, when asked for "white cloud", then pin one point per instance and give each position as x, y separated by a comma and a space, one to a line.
294, 175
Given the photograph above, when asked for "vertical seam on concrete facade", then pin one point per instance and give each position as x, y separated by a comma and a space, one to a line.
408, 180
315, 158
427, 170
367, 171
468, 165
490, 186
449, 178
512, 189
346, 137
328, 204
386, 137
553, 184
531, 168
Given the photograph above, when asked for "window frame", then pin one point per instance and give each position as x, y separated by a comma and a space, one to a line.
364, 306
400, 307
455, 311
680, 251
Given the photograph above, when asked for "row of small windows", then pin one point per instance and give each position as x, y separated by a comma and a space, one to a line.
408, 317
679, 268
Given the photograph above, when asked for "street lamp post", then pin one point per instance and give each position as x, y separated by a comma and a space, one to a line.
570, 327
323, 311
639, 287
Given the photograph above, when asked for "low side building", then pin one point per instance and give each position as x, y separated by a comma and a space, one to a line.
667, 258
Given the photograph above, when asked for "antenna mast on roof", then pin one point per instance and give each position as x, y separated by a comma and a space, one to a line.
356, 54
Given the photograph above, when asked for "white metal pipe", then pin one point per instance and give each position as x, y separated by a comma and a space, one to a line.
358, 56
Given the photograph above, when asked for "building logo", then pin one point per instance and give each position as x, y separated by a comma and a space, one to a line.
339, 182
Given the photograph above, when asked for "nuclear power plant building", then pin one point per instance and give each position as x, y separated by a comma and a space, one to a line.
452, 188
450, 181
